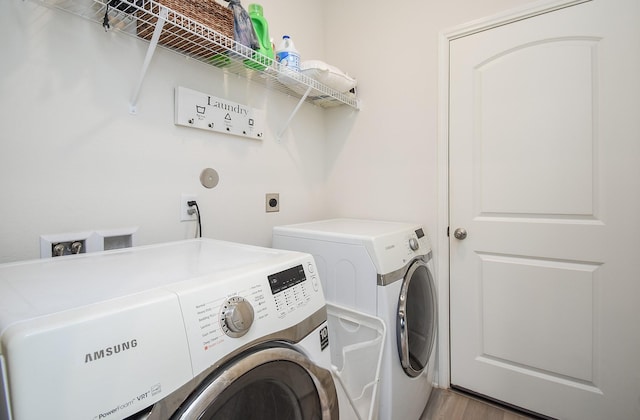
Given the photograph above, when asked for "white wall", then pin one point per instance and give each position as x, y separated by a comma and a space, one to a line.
72, 158
389, 158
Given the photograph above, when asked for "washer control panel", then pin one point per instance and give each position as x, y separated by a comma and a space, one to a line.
290, 288
225, 312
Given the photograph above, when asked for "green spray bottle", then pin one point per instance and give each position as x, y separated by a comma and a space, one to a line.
263, 55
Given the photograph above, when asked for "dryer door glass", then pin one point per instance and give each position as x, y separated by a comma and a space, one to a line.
276, 383
416, 322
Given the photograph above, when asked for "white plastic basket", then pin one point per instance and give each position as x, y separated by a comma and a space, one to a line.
357, 341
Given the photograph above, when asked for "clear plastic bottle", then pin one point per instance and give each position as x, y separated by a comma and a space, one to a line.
287, 55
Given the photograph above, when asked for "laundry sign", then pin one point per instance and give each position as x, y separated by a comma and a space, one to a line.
200, 110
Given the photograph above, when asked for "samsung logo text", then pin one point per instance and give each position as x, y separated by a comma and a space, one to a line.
110, 351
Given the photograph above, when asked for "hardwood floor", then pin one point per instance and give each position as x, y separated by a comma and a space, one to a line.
446, 404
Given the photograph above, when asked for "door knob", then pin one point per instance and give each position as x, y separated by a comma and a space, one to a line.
460, 233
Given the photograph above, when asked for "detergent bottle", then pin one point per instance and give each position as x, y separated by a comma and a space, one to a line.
264, 54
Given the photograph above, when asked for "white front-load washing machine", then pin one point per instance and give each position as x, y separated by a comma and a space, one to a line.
384, 269
196, 329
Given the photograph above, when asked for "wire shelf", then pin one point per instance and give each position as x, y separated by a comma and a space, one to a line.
139, 18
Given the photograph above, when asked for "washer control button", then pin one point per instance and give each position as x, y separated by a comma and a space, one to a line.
236, 316
414, 244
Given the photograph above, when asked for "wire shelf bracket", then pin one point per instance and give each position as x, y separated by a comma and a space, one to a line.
162, 18
293, 113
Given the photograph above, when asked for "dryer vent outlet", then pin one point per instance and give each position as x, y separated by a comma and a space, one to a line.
272, 202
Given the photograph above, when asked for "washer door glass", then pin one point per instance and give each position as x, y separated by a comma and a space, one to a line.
275, 383
416, 322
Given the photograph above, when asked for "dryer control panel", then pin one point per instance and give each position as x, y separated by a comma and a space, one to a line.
393, 251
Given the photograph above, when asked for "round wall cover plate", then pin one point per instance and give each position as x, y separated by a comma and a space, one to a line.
209, 178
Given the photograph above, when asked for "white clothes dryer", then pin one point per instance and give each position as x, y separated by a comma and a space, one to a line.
196, 329
384, 269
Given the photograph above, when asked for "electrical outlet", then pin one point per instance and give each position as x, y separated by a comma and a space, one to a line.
272, 202
184, 208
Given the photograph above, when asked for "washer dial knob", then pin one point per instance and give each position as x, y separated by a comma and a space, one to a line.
236, 316
414, 244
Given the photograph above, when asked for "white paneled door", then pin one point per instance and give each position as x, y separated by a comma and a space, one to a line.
544, 143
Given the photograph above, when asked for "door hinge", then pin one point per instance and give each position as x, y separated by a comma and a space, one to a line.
447, 231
